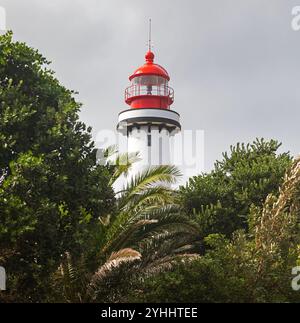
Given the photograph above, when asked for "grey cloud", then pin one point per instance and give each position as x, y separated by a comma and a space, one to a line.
234, 64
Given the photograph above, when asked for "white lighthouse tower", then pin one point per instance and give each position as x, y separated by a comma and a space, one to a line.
149, 123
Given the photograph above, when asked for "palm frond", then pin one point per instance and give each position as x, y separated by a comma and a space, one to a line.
164, 243
125, 238
147, 232
123, 163
160, 175
138, 207
110, 151
166, 264
116, 260
156, 196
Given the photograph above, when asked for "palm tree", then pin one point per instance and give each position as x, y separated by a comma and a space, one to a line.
146, 234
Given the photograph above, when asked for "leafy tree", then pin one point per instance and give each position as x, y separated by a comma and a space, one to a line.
51, 191
58, 208
253, 267
221, 200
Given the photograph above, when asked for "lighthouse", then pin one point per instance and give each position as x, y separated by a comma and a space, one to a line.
149, 124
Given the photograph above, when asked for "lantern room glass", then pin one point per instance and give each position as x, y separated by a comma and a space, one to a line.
151, 85
147, 80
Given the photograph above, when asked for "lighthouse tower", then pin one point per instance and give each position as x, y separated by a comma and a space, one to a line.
149, 123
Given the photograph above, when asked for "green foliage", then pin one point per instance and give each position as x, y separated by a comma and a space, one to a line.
145, 235
252, 267
66, 236
221, 200
49, 182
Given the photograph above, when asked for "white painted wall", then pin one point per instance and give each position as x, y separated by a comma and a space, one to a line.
160, 151
155, 155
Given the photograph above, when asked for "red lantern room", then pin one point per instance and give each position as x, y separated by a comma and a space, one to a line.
149, 87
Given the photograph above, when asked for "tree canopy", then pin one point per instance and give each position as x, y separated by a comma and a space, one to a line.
49, 182
231, 235
221, 200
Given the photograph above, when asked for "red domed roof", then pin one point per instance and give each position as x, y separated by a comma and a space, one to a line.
149, 68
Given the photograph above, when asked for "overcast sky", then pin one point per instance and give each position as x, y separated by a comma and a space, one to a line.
234, 64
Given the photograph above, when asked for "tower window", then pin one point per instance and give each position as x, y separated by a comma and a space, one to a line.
149, 140
160, 151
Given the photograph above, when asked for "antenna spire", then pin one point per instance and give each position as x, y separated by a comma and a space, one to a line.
150, 35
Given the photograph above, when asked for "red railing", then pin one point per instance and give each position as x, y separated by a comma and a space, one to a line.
142, 90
